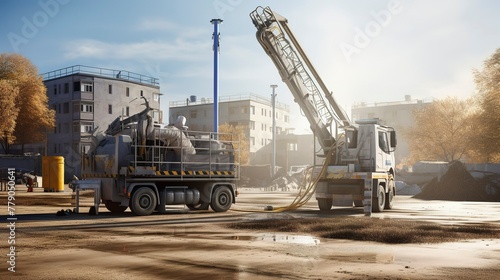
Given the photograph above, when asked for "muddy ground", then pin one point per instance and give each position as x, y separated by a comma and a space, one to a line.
199, 245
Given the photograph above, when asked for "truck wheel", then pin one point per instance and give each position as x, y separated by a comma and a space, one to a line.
199, 206
378, 203
114, 207
389, 199
325, 204
358, 203
222, 198
143, 202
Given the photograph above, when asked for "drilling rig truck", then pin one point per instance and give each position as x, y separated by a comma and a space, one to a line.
135, 163
359, 157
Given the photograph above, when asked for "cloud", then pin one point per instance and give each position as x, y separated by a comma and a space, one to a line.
177, 50
165, 26
156, 25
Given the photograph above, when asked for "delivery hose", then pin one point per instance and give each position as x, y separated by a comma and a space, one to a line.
308, 186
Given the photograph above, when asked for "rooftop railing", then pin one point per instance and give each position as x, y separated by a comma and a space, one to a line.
103, 72
230, 98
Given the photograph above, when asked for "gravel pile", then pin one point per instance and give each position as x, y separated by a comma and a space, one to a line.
458, 185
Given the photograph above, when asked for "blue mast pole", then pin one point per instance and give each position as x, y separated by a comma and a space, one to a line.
216, 38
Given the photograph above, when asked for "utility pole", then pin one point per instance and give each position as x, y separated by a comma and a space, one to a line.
273, 101
216, 37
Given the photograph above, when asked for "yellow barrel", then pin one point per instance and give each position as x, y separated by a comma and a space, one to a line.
53, 173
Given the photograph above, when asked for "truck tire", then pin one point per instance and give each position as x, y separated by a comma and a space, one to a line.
199, 206
325, 204
143, 201
222, 199
389, 199
114, 207
378, 203
358, 203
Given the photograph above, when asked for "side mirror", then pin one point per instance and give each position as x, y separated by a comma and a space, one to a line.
394, 141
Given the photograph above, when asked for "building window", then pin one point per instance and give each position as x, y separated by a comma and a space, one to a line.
127, 93
86, 108
110, 109
142, 93
110, 89
156, 97
286, 118
66, 107
252, 141
244, 110
55, 89
193, 114
65, 128
127, 111
252, 110
86, 127
87, 87
252, 125
66, 88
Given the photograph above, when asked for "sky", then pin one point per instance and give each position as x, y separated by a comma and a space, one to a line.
365, 51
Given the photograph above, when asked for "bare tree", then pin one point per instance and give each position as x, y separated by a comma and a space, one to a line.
34, 117
487, 142
441, 131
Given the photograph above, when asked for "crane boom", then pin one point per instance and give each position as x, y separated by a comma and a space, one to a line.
298, 73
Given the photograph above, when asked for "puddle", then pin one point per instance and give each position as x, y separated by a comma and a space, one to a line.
280, 238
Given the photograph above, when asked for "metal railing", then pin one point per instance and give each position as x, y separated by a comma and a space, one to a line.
103, 72
229, 98
205, 157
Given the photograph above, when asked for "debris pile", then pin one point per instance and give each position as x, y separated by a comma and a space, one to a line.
281, 181
458, 185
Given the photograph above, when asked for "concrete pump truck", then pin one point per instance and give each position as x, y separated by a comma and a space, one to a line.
359, 157
135, 163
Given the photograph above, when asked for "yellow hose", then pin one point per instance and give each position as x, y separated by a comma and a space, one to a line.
305, 194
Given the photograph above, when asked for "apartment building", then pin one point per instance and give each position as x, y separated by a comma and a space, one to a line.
249, 110
90, 98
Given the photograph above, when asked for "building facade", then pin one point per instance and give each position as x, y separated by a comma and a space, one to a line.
396, 114
89, 98
249, 110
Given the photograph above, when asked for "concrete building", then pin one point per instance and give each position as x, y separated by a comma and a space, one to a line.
396, 114
249, 110
87, 98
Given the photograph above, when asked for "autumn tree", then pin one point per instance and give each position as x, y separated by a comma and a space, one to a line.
487, 129
236, 133
8, 113
441, 131
23, 92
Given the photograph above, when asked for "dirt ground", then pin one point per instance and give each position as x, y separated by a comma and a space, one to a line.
197, 245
